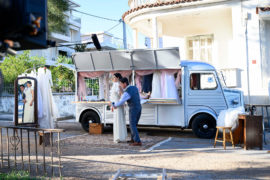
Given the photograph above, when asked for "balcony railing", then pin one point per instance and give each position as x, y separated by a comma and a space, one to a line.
136, 3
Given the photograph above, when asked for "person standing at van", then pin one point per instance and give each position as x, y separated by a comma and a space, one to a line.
119, 123
131, 95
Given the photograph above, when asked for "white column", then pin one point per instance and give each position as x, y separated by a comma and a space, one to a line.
135, 38
155, 32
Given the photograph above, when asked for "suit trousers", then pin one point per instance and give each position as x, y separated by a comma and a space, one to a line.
134, 117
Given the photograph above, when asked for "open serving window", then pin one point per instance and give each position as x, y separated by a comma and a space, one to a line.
156, 73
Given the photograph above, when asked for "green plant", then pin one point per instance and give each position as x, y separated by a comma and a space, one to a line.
63, 78
56, 17
13, 66
13, 175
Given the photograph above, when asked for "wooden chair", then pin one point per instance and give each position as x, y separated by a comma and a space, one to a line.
223, 139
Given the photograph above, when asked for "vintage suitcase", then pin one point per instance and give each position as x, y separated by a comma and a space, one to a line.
95, 128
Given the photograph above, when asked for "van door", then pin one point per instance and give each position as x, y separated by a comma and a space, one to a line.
204, 92
205, 100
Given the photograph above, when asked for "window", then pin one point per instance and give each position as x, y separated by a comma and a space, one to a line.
202, 81
92, 86
200, 47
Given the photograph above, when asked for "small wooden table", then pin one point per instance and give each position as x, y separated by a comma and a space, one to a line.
249, 132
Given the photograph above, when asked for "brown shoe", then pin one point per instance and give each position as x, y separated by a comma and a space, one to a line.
136, 144
131, 141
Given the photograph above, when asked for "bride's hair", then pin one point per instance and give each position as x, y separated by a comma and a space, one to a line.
118, 75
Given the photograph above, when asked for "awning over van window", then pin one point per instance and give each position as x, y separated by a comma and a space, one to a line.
139, 59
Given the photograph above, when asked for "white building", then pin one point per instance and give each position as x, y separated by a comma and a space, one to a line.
233, 35
72, 35
107, 41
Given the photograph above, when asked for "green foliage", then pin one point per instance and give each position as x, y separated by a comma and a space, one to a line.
22, 175
16, 65
63, 78
80, 47
56, 16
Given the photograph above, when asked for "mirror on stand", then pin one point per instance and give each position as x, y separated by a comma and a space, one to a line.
26, 101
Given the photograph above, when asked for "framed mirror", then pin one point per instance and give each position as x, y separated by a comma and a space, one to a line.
26, 101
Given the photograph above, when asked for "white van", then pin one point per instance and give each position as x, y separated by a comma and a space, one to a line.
201, 95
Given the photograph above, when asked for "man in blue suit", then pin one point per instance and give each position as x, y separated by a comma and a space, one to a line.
131, 95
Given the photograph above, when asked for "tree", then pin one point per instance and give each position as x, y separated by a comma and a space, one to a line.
56, 17
63, 78
80, 47
13, 66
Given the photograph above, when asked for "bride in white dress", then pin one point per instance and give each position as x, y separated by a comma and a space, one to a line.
29, 103
119, 124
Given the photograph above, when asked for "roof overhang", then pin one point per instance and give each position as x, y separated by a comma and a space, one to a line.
264, 12
121, 60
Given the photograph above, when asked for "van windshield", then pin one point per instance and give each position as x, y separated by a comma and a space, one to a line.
222, 79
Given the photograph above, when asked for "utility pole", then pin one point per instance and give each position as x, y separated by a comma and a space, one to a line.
124, 34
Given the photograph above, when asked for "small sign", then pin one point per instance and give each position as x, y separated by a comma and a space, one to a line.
254, 62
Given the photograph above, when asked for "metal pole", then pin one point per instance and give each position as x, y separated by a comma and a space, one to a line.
2, 162
51, 137
59, 155
8, 148
36, 151
43, 145
15, 147
124, 34
247, 59
29, 161
22, 149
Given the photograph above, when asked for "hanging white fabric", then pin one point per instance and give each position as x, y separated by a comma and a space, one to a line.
50, 111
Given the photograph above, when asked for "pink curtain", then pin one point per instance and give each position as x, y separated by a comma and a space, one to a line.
139, 75
91, 74
123, 73
81, 82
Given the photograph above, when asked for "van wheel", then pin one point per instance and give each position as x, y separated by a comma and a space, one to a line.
204, 126
89, 117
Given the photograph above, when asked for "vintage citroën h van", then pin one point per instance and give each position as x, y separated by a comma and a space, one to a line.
184, 94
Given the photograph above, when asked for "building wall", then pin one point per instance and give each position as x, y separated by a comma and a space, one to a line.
241, 40
63, 102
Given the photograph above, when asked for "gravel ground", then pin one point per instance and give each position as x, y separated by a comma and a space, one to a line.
183, 156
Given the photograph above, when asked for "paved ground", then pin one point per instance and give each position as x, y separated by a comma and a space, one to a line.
183, 156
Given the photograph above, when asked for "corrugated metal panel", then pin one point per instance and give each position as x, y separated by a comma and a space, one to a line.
121, 60
83, 62
139, 59
168, 58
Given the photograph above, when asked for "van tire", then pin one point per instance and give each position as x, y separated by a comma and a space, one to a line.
89, 117
204, 126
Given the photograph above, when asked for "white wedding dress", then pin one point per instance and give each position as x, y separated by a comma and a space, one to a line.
28, 116
119, 124
50, 111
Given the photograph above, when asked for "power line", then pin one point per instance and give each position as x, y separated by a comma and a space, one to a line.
113, 27
120, 20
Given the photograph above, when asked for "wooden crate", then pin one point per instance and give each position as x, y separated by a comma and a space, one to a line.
95, 128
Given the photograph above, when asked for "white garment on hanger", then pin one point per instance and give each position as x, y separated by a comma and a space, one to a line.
156, 86
50, 111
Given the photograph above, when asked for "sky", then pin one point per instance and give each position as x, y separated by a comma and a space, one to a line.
113, 9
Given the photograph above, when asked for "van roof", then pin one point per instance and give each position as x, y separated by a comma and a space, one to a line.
196, 65
135, 59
